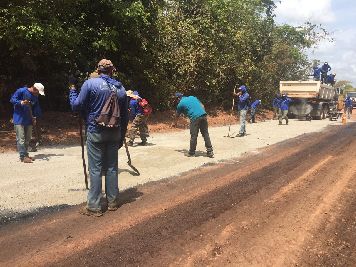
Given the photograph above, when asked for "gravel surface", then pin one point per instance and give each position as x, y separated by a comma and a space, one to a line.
56, 180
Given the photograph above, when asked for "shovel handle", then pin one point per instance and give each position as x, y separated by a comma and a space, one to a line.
127, 152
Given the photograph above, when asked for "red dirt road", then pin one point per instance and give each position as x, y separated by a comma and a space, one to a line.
292, 204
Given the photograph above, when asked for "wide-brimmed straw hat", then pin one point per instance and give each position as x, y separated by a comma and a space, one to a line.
132, 94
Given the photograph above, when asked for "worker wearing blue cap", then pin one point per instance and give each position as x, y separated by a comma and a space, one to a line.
243, 101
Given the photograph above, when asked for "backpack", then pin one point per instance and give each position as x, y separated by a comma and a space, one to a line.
143, 103
110, 113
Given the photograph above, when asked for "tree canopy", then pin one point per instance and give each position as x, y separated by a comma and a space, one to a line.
199, 47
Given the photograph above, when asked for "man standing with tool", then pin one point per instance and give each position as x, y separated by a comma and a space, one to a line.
103, 141
242, 106
26, 111
195, 111
283, 110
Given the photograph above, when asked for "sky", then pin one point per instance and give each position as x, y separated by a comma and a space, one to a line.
339, 18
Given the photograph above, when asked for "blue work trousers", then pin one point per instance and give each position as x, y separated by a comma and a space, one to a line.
103, 155
243, 113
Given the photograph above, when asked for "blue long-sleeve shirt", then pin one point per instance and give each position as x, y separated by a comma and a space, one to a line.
92, 97
316, 73
325, 68
285, 103
22, 113
330, 79
276, 102
135, 109
243, 101
348, 102
255, 104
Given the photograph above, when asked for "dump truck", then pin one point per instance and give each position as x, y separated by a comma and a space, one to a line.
310, 99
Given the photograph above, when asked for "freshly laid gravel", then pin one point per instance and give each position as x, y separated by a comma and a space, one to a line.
56, 179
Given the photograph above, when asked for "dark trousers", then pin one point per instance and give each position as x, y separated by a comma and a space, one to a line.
201, 124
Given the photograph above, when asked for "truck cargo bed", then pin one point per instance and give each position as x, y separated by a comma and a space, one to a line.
307, 90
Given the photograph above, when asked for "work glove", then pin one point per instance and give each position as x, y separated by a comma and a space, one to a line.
72, 81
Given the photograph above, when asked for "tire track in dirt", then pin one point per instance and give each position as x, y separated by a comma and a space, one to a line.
294, 184
181, 208
43, 247
335, 246
45, 253
261, 244
207, 208
257, 246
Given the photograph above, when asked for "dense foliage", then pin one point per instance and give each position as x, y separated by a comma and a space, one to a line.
200, 47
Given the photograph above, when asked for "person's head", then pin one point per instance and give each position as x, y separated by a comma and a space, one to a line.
176, 98
243, 88
178, 95
132, 94
326, 63
37, 89
105, 66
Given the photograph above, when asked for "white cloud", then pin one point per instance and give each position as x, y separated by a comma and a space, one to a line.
300, 11
338, 17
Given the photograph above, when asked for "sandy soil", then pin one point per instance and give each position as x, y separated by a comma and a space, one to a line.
287, 204
61, 128
56, 180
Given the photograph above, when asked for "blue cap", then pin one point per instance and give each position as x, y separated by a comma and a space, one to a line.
135, 92
178, 94
243, 88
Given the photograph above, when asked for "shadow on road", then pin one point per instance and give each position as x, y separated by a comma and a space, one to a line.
9, 216
133, 173
197, 153
138, 144
47, 156
125, 197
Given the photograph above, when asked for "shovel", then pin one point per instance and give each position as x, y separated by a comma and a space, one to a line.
232, 111
129, 158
